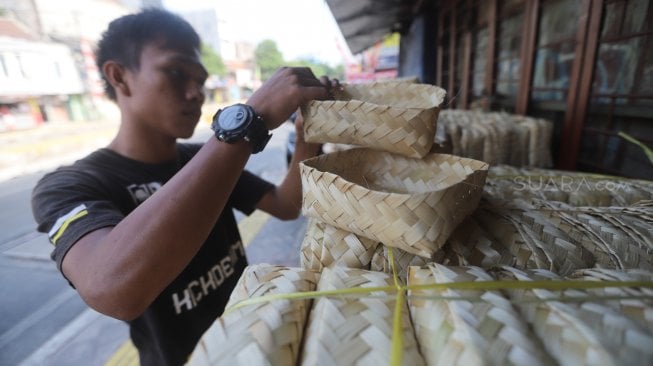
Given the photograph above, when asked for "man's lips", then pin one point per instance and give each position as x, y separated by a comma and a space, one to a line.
195, 113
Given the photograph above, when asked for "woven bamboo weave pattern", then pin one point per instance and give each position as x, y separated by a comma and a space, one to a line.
356, 331
580, 332
482, 328
406, 203
402, 260
327, 246
617, 237
471, 245
395, 117
637, 309
268, 333
311, 248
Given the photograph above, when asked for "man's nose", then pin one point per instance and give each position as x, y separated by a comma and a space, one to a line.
195, 90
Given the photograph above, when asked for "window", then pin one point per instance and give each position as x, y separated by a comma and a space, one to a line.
621, 94
585, 65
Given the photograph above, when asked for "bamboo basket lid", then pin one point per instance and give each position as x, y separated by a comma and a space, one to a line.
411, 204
327, 246
396, 117
479, 328
579, 332
356, 330
267, 333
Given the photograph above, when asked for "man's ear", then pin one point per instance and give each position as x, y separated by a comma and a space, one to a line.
115, 74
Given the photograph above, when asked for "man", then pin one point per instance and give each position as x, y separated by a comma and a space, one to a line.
144, 228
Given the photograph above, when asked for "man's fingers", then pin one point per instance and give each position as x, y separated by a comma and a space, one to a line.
315, 92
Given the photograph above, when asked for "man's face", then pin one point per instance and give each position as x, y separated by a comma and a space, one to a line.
167, 90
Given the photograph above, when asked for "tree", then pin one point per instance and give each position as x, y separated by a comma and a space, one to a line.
212, 61
320, 68
268, 58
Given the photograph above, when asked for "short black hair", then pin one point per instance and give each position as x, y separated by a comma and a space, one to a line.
125, 38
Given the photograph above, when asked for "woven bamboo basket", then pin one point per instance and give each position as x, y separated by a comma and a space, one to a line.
579, 332
411, 204
389, 116
540, 133
268, 333
479, 328
326, 246
356, 330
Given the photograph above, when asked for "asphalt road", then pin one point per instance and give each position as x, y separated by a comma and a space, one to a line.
42, 320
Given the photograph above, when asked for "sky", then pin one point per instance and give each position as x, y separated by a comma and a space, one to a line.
300, 28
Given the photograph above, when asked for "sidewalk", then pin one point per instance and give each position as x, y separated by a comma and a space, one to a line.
49, 145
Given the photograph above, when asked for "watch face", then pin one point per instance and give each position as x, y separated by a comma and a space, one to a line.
233, 118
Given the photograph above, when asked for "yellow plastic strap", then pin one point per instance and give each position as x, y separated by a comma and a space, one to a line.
479, 285
397, 348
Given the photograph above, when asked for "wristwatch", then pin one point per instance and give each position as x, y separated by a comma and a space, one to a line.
240, 122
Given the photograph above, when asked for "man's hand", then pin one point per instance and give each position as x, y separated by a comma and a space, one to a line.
286, 90
303, 149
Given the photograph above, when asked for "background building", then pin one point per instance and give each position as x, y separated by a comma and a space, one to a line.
205, 23
47, 65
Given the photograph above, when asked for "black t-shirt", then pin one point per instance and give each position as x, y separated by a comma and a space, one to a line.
99, 191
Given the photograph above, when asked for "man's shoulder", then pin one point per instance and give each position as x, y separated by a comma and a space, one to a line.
79, 170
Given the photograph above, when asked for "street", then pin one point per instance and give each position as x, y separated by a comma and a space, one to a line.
43, 319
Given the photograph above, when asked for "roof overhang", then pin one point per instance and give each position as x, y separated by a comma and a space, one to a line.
364, 23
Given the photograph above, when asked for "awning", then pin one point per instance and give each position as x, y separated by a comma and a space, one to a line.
363, 23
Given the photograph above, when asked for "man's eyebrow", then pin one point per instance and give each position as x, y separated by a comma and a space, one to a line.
189, 60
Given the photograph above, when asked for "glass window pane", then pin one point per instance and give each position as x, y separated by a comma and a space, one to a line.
644, 72
510, 31
559, 21
614, 70
506, 88
508, 70
480, 61
553, 66
636, 15
612, 19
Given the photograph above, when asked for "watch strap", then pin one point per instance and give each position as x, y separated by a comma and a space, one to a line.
257, 134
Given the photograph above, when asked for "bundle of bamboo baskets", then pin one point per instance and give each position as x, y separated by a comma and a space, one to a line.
414, 257
497, 137
441, 315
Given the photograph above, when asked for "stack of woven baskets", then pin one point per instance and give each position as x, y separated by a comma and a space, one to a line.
412, 258
497, 137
